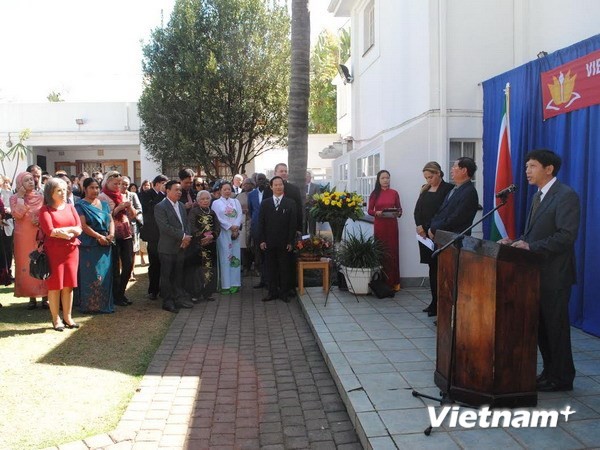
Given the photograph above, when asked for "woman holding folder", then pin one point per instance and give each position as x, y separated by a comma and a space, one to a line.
431, 198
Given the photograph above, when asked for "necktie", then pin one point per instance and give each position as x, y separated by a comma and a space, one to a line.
451, 193
176, 208
537, 199
277, 200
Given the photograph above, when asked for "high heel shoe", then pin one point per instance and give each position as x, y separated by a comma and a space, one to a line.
71, 326
60, 327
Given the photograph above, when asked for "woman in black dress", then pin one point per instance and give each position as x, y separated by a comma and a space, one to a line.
432, 196
201, 256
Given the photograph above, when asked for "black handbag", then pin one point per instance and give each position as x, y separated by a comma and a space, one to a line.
379, 287
39, 267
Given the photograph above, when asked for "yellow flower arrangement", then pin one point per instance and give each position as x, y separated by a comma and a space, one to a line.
336, 206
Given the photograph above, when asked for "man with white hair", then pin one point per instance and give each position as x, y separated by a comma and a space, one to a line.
236, 185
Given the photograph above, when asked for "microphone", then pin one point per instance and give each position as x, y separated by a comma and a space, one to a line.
507, 190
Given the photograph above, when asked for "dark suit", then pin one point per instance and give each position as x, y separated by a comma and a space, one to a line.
253, 212
276, 227
172, 256
149, 233
552, 232
458, 209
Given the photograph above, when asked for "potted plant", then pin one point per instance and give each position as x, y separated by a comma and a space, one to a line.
313, 248
359, 257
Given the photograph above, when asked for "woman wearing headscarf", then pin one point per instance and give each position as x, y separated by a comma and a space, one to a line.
61, 226
229, 214
95, 277
430, 199
122, 211
384, 205
137, 221
25, 206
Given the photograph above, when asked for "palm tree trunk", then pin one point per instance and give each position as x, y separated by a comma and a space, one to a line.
299, 93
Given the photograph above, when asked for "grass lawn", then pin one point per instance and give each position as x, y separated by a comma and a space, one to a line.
60, 387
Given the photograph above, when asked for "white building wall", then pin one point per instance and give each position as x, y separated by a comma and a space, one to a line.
110, 131
322, 169
419, 87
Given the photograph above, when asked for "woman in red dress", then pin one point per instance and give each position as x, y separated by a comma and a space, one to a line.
384, 205
61, 225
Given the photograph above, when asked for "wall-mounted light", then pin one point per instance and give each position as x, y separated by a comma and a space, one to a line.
542, 54
345, 74
79, 122
9, 143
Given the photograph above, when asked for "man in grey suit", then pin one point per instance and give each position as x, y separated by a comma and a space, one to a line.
551, 231
175, 237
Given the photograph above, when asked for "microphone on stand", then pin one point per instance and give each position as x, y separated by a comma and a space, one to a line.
507, 190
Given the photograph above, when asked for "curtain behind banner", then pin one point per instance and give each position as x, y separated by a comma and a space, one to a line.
574, 136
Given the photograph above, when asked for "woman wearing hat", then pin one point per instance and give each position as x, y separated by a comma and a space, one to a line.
431, 198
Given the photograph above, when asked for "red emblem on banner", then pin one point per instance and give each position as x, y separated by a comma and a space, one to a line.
572, 86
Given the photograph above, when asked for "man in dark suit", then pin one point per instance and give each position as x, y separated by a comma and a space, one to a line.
551, 230
461, 204
276, 231
255, 198
171, 220
188, 194
292, 192
309, 224
149, 232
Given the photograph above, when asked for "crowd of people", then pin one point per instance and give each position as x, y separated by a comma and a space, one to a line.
198, 238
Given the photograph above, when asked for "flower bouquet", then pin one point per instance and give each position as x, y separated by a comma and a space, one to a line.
313, 248
336, 207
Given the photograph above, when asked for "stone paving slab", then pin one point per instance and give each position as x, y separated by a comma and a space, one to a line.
378, 351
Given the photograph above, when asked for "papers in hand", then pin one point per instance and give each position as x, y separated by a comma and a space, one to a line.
426, 242
390, 212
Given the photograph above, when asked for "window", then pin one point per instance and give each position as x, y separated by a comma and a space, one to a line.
369, 26
366, 174
459, 149
343, 171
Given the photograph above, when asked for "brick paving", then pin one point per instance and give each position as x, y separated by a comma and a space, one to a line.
236, 373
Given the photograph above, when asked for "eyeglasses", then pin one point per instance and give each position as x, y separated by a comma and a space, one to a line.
198, 185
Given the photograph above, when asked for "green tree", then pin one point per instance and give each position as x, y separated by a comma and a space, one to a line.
18, 151
344, 43
55, 97
216, 84
323, 68
299, 92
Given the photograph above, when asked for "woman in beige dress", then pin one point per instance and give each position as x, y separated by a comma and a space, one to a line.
25, 206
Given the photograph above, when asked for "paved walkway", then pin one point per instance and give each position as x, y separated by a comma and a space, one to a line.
235, 373
240, 373
380, 350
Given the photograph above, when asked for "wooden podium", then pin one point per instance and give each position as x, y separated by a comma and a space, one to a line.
495, 348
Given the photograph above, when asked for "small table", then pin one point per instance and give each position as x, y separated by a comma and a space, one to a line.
321, 265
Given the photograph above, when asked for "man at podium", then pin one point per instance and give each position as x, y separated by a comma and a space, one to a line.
551, 230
